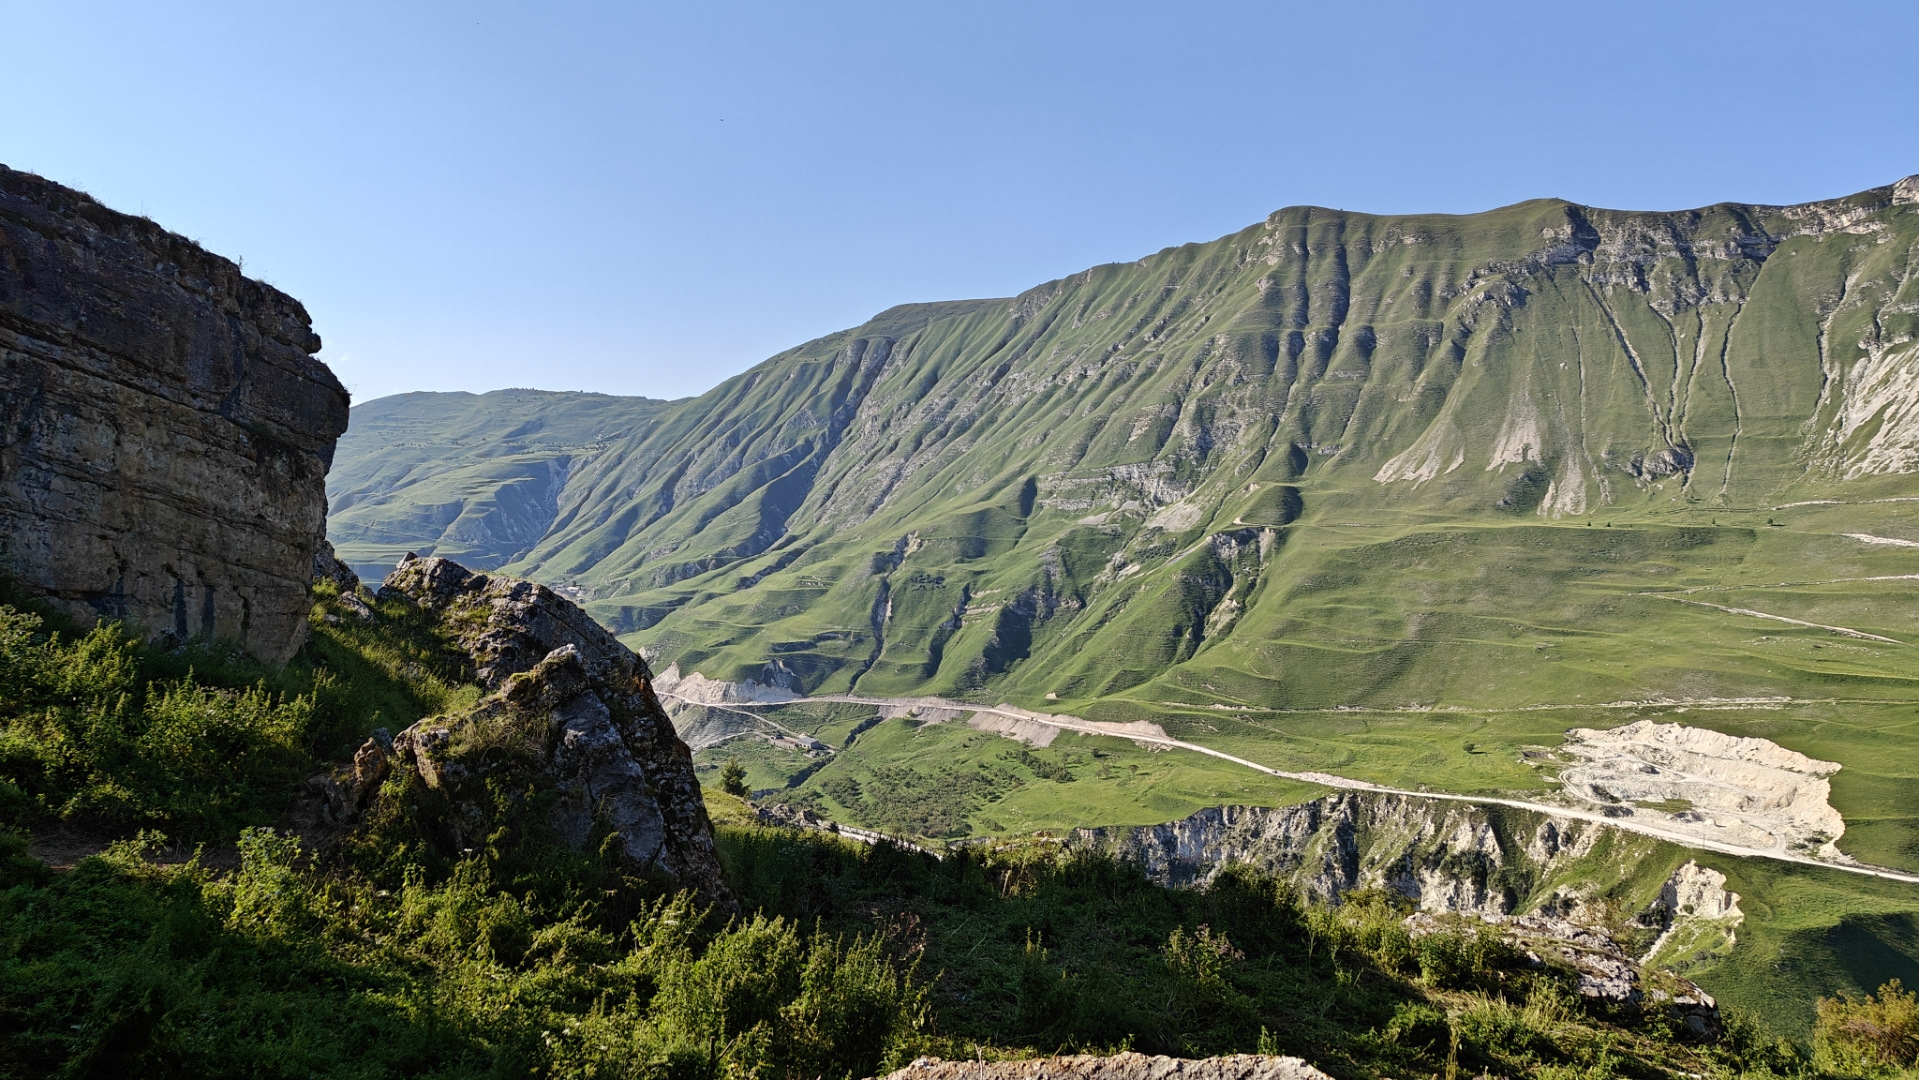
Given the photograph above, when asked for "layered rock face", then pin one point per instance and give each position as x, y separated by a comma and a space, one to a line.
572, 710
165, 431
1445, 857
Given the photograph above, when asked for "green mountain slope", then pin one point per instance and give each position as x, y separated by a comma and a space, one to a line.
937, 499
1389, 497
475, 478
1333, 461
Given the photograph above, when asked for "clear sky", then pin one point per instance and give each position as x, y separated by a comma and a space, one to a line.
644, 198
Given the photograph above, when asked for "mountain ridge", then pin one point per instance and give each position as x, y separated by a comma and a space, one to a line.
717, 481
1399, 499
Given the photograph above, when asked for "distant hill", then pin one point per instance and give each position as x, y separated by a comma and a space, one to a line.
473, 477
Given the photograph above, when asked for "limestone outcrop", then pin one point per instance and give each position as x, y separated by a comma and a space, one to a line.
165, 430
571, 709
1722, 787
1445, 857
1600, 968
1127, 1066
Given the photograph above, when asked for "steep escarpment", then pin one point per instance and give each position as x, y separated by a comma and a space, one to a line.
165, 430
1445, 857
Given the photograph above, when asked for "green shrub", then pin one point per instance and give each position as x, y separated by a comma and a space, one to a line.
1463, 958
282, 968
85, 734
1880, 1030
733, 779
1419, 1026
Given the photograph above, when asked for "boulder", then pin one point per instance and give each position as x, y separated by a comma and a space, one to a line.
327, 567
570, 709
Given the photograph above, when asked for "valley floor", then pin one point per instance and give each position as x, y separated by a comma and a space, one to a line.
1025, 725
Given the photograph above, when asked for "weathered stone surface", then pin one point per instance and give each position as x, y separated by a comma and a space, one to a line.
1445, 857
327, 567
1602, 969
1461, 866
571, 703
165, 431
1128, 1066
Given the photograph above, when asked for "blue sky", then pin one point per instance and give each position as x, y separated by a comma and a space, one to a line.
646, 198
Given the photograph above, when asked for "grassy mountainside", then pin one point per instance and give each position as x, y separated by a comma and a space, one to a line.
473, 477
1331, 460
1391, 497
1128, 477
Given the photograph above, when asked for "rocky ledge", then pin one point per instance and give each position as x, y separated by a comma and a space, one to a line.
1127, 1066
571, 713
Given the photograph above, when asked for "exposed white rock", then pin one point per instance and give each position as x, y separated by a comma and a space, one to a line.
1881, 394
1027, 731
1176, 517
1751, 792
1518, 440
1565, 495
695, 688
1701, 915
1700, 891
1440, 450
1040, 729
1880, 541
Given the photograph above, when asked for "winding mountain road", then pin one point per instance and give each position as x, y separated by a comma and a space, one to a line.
1137, 734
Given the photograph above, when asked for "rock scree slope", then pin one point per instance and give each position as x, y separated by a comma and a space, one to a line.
165, 429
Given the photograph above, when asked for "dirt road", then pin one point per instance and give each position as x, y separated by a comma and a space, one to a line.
1134, 732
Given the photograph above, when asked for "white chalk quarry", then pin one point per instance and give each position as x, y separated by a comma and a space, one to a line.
1750, 792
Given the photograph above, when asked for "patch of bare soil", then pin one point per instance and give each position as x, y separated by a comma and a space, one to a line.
63, 847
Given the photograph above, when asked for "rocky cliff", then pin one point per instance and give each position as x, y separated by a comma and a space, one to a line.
1124, 1066
1445, 857
571, 718
1575, 891
165, 430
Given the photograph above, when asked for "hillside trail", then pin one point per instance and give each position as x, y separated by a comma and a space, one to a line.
1137, 734
1845, 631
